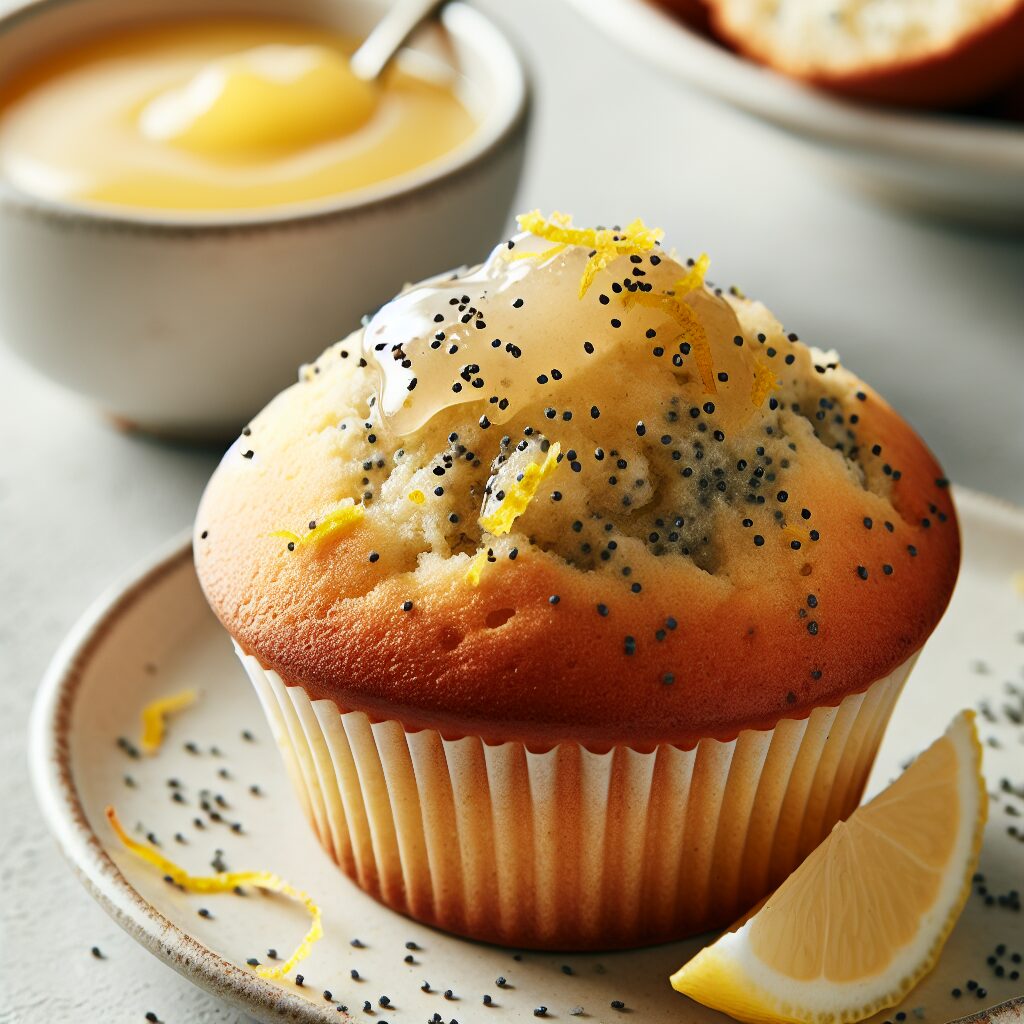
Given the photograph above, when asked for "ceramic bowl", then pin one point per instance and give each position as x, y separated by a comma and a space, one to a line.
955, 166
187, 325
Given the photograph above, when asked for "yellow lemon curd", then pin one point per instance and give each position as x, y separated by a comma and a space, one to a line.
218, 114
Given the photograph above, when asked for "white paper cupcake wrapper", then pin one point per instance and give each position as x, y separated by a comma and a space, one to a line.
570, 849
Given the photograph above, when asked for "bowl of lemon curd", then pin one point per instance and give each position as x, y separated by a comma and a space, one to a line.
196, 196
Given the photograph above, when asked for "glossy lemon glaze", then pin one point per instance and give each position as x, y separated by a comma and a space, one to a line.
489, 335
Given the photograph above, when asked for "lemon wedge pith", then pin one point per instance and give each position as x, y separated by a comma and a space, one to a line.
866, 915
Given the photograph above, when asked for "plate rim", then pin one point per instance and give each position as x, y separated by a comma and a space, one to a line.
993, 148
61, 808
59, 802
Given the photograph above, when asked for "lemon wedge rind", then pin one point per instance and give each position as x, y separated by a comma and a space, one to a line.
866, 915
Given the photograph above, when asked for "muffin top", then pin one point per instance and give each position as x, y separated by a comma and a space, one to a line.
578, 493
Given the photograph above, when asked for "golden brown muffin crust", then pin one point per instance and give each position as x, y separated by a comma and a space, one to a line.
799, 585
921, 56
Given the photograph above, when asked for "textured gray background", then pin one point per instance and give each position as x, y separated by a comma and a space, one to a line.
930, 315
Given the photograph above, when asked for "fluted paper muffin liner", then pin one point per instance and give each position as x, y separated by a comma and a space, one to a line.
570, 849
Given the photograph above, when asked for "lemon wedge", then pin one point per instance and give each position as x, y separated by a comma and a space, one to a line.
866, 915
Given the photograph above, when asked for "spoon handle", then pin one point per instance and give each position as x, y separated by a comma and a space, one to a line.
389, 35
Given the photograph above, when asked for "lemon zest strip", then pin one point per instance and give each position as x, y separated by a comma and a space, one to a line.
694, 278
765, 383
227, 881
607, 244
292, 538
691, 330
154, 718
476, 567
791, 533
543, 255
340, 519
521, 493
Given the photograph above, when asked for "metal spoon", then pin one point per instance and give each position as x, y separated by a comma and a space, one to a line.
389, 35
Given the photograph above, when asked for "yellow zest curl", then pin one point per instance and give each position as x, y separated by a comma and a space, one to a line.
154, 718
476, 567
792, 533
691, 330
543, 255
520, 493
334, 522
227, 881
607, 244
694, 279
764, 383
417, 497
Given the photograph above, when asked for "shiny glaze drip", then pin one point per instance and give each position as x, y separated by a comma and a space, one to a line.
506, 334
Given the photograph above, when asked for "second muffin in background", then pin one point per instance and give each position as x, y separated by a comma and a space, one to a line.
577, 593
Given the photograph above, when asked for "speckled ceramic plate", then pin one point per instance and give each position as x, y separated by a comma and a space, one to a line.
154, 636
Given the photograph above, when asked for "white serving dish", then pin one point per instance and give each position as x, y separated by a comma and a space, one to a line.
955, 166
187, 325
153, 635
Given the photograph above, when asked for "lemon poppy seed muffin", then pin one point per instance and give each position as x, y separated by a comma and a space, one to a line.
577, 593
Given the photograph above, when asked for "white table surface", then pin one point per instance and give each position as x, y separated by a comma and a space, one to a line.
931, 315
